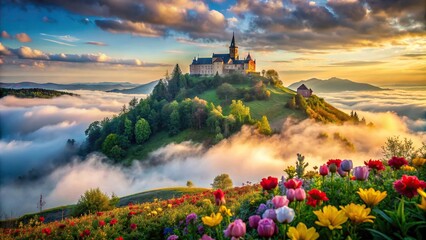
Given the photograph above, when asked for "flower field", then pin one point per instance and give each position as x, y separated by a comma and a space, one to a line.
379, 200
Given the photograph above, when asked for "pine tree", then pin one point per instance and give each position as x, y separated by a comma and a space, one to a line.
301, 165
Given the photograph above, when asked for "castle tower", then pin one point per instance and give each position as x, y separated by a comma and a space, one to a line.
233, 49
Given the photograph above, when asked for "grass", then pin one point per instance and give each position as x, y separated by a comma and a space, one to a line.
161, 194
53, 214
161, 139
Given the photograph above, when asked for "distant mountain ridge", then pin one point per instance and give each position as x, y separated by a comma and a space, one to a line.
141, 89
101, 86
334, 84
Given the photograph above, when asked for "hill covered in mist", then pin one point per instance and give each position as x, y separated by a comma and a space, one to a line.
334, 84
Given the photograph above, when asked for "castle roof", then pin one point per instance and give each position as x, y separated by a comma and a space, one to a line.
199, 61
302, 87
225, 56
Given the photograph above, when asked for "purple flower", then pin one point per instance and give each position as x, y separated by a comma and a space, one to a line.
341, 172
291, 194
191, 218
346, 165
261, 209
173, 237
206, 237
270, 213
266, 228
361, 173
254, 220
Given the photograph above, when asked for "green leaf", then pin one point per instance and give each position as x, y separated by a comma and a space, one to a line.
378, 234
383, 215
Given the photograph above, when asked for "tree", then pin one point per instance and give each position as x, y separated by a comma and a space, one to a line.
174, 123
93, 200
226, 91
110, 141
133, 103
292, 103
272, 75
394, 147
142, 131
264, 127
263, 73
173, 85
301, 102
222, 181
240, 111
128, 129
189, 184
160, 91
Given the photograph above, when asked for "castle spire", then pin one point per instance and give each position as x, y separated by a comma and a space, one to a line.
233, 40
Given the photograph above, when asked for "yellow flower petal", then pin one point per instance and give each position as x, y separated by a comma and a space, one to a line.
330, 217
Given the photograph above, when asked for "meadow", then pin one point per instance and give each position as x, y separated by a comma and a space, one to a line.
379, 200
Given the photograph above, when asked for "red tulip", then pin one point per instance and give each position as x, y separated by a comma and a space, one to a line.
269, 183
219, 196
293, 183
46, 231
133, 226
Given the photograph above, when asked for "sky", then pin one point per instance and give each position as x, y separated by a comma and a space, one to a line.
376, 41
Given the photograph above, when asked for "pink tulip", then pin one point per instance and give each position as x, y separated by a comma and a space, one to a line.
236, 229
280, 201
291, 194
300, 194
324, 170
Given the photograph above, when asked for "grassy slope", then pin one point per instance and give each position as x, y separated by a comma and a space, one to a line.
54, 214
162, 139
274, 109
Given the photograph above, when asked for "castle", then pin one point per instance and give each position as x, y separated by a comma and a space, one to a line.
223, 63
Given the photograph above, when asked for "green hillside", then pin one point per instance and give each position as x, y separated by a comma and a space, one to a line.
62, 212
33, 93
204, 110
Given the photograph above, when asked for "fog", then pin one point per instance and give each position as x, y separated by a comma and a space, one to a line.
42, 127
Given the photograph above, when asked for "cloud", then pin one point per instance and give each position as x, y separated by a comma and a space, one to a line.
246, 156
66, 38
135, 28
148, 18
47, 19
97, 43
297, 24
58, 42
411, 104
5, 35
356, 63
23, 37
34, 54
414, 55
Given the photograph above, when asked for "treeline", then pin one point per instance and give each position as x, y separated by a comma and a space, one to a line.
33, 93
169, 109
320, 110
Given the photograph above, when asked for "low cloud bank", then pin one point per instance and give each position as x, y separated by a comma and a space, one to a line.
411, 105
245, 156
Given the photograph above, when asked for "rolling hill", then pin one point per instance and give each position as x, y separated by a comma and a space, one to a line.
334, 85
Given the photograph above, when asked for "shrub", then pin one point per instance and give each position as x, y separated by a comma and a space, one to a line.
93, 200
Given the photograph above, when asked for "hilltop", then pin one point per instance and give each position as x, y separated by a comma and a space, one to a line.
141, 89
334, 85
101, 86
205, 110
33, 93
